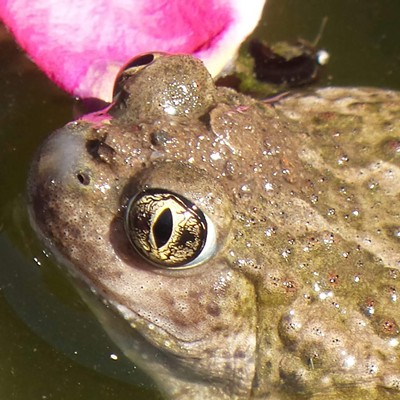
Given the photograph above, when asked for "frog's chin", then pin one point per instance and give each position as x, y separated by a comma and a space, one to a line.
82, 45
167, 371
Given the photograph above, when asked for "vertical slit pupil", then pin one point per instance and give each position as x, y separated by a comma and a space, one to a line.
162, 228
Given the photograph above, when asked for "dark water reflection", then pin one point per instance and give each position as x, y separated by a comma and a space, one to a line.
50, 345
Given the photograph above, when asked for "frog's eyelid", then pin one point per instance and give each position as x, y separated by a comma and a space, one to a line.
131, 68
139, 61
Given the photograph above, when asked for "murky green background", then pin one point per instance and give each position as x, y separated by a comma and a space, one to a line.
50, 345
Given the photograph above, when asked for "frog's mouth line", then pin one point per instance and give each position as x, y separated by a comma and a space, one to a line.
128, 330
159, 363
170, 370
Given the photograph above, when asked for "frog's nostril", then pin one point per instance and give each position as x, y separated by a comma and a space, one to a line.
83, 178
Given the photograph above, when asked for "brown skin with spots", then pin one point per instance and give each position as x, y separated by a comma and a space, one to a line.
298, 298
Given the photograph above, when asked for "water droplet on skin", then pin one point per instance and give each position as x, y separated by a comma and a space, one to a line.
268, 186
215, 156
257, 168
343, 159
349, 362
316, 287
393, 295
328, 239
325, 295
46, 253
336, 305
285, 253
36, 260
373, 185
270, 231
314, 198
369, 307
396, 232
270, 150
367, 242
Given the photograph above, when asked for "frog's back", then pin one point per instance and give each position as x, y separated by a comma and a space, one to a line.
338, 319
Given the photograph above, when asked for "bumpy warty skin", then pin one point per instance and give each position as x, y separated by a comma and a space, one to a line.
298, 296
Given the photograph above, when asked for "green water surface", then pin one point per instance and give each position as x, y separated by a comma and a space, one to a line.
50, 345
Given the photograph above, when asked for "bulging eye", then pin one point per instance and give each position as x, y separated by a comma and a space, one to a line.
132, 67
168, 230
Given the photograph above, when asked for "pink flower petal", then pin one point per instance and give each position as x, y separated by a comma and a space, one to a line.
81, 45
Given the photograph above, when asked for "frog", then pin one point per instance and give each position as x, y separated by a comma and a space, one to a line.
233, 248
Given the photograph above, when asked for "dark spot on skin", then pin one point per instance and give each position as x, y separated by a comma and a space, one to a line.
240, 354
368, 306
290, 286
390, 148
159, 138
206, 120
217, 328
333, 279
72, 231
391, 290
324, 117
213, 310
393, 273
388, 327
195, 295
393, 231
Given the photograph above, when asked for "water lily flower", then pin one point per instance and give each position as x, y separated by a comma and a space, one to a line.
81, 45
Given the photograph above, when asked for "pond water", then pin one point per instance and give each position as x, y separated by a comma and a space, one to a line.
51, 346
